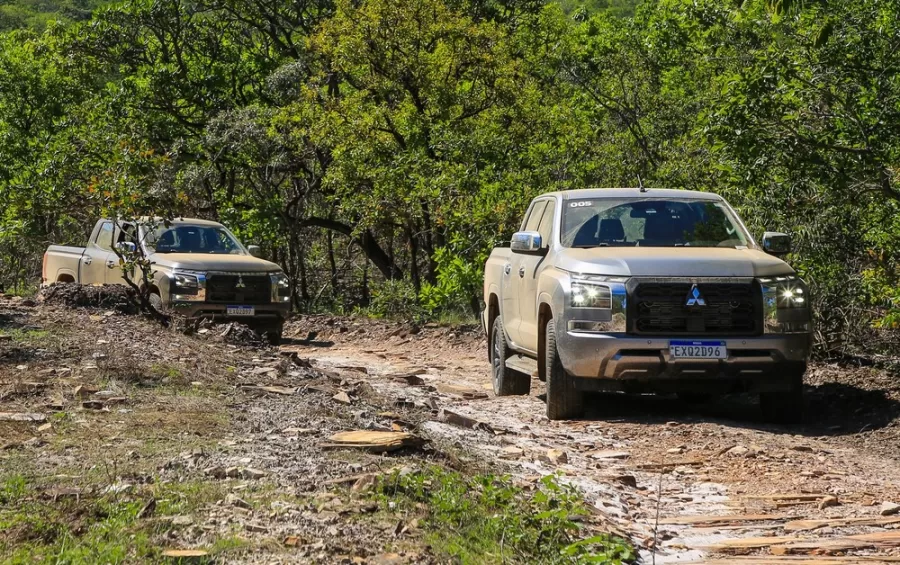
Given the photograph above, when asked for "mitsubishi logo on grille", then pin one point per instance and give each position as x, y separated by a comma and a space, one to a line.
694, 298
240, 283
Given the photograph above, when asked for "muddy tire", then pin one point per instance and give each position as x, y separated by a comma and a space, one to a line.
156, 301
506, 381
784, 407
564, 401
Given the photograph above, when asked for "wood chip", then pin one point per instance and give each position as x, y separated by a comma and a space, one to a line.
455, 419
797, 496
806, 525
723, 520
728, 545
185, 553
610, 454
373, 441
285, 390
22, 417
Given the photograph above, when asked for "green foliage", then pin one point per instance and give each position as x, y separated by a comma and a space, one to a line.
367, 143
393, 299
485, 519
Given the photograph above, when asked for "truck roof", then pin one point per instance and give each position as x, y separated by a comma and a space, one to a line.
180, 220
634, 193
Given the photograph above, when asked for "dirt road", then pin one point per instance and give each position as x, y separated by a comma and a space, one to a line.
707, 483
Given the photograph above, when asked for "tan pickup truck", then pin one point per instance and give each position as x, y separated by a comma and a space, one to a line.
637, 290
200, 269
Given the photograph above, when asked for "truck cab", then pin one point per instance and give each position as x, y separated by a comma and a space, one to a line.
638, 290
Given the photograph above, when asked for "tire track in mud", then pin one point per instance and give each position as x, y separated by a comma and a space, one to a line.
720, 486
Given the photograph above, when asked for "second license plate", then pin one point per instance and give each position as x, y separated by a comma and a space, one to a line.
698, 350
240, 310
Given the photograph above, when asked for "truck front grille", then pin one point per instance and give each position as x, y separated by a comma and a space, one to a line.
727, 307
238, 289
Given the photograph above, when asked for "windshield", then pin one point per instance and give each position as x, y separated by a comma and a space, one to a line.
616, 222
186, 238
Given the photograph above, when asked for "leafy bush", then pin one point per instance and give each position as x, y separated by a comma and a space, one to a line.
393, 299
458, 281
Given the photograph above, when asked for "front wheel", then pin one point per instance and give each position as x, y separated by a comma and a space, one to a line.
564, 401
271, 334
506, 381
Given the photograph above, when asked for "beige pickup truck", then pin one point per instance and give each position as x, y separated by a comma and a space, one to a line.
636, 290
200, 269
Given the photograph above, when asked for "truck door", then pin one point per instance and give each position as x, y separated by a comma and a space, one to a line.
512, 277
528, 271
97, 254
126, 232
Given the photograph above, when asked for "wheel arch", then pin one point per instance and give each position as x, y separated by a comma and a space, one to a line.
493, 311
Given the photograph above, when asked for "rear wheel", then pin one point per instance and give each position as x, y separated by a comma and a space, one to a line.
784, 407
564, 401
506, 381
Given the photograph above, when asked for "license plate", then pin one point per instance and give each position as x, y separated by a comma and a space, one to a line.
698, 350
240, 310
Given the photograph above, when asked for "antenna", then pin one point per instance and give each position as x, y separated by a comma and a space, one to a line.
641, 184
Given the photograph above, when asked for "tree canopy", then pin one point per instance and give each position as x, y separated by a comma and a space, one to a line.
378, 149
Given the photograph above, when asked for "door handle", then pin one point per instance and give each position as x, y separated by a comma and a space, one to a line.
522, 271
506, 269
87, 260
111, 264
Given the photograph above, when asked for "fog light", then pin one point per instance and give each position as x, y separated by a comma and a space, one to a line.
588, 326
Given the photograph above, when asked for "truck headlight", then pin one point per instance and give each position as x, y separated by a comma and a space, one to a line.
281, 287
183, 281
188, 286
786, 304
590, 295
589, 291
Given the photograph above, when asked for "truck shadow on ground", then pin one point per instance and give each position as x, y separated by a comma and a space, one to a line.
830, 409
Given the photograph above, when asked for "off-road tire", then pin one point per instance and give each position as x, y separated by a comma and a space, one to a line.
155, 300
564, 401
506, 381
784, 407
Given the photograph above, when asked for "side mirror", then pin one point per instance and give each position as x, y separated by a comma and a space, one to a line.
527, 242
776, 243
254, 250
126, 247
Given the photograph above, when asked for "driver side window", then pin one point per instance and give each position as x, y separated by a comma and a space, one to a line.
534, 218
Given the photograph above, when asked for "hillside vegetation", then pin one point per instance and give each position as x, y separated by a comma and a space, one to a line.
379, 148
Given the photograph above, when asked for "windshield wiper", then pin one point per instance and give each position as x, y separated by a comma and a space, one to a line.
590, 245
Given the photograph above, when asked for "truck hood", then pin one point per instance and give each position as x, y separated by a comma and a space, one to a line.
212, 262
671, 262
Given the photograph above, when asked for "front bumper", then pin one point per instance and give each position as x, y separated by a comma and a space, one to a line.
618, 361
265, 314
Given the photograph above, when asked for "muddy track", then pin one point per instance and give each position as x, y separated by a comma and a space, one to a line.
687, 483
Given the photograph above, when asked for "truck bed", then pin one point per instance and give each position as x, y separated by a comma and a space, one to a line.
62, 262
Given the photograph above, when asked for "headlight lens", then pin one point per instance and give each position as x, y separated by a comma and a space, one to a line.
787, 292
281, 287
186, 281
589, 294
786, 305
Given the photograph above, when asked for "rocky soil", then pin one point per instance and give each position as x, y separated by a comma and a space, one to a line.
687, 483
229, 445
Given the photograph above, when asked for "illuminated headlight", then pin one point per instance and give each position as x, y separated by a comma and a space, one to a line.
281, 287
590, 295
787, 292
786, 305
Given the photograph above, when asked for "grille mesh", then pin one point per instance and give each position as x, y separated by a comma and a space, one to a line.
660, 308
222, 289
